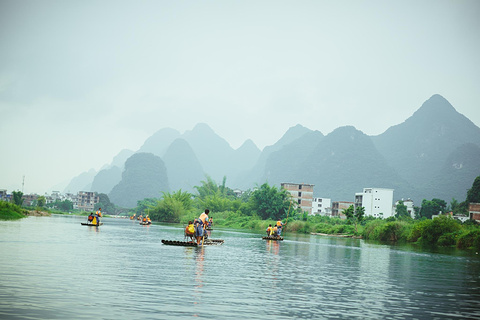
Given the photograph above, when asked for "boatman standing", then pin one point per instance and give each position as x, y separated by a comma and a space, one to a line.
98, 215
203, 220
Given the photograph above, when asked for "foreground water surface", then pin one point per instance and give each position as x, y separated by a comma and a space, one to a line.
55, 268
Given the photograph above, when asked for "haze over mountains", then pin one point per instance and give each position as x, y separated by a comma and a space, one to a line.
433, 154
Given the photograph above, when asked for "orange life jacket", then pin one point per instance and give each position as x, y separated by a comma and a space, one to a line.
203, 217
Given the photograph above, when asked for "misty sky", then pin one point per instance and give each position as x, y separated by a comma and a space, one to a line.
82, 80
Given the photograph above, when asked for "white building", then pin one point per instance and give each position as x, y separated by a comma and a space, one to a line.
322, 206
378, 202
409, 204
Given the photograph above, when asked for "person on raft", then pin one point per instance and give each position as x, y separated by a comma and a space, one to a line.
90, 217
190, 231
279, 227
201, 225
269, 229
273, 232
98, 214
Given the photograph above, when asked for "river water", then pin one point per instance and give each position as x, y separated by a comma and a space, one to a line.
55, 268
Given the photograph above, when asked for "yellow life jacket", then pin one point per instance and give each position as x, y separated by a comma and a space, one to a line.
94, 220
190, 228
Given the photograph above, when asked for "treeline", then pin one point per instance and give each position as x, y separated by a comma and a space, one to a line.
266, 202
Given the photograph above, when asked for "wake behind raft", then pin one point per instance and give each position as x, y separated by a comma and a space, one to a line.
206, 242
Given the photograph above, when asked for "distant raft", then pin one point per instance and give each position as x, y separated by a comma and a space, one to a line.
192, 244
91, 224
145, 223
277, 238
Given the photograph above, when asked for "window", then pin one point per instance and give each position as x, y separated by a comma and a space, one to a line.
319, 205
299, 194
299, 201
300, 186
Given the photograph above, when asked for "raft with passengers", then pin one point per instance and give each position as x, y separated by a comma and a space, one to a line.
275, 232
93, 220
195, 233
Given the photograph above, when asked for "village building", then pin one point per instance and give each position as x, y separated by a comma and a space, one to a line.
86, 201
378, 202
474, 211
322, 206
338, 207
302, 195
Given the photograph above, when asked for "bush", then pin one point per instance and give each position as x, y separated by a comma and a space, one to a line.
470, 239
447, 239
432, 231
10, 211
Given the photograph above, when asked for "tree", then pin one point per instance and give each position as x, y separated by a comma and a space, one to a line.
355, 215
65, 205
105, 204
433, 207
401, 210
41, 201
168, 209
270, 203
17, 197
473, 194
145, 205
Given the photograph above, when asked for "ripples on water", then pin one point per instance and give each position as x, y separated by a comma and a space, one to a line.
54, 268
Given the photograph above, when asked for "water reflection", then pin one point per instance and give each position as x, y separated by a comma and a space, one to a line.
46, 262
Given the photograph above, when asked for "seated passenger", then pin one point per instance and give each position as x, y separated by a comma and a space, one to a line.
269, 229
190, 230
90, 217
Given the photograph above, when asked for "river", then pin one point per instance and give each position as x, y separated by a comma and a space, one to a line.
55, 268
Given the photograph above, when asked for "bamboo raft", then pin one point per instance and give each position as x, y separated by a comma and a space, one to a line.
277, 238
192, 244
91, 225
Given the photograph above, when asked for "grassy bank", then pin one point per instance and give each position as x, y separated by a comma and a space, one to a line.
10, 211
442, 231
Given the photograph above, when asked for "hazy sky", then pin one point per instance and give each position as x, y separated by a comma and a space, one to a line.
82, 80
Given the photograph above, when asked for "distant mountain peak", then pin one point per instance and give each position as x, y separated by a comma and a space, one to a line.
248, 144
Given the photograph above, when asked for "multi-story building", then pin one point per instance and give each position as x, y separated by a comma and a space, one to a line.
410, 207
322, 206
378, 202
29, 199
86, 200
302, 195
338, 207
474, 211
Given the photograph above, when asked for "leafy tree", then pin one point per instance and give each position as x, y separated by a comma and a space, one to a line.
184, 197
401, 210
473, 194
65, 205
355, 215
105, 204
145, 205
17, 197
207, 188
454, 205
270, 203
433, 207
168, 209
41, 201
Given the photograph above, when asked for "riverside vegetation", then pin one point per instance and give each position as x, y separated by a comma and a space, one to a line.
255, 210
